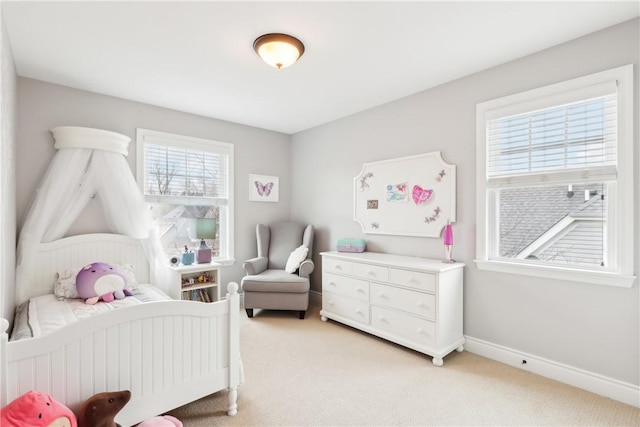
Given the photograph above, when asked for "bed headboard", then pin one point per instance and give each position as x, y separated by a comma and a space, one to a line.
77, 251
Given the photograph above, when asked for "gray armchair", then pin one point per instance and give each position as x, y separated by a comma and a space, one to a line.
267, 285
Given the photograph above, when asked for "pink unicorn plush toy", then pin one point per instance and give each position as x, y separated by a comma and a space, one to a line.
101, 281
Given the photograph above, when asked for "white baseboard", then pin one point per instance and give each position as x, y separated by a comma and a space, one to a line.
595, 383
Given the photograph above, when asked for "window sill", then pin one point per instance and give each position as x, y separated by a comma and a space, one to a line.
560, 273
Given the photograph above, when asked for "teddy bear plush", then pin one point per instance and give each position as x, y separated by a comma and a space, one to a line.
101, 409
101, 281
36, 409
161, 421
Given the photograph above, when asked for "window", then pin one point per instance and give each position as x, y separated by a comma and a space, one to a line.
188, 185
555, 181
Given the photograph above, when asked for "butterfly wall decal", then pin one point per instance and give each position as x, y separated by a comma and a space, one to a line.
421, 195
363, 181
263, 189
440, 175
436, 214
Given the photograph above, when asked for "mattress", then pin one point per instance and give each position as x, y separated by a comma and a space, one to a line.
42, 315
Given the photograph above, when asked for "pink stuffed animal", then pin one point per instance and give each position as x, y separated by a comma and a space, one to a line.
101, 281
162, 421
36, 409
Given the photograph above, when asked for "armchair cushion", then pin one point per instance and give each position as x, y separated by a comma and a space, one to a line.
298, 255
284, 238
275, 281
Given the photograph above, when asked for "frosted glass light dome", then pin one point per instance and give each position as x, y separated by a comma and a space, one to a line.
278, 50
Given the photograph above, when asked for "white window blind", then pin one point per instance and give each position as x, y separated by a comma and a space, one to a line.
179, 172
577, 140
184, 170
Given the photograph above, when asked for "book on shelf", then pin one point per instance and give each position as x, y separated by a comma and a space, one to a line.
205, 295
200, 295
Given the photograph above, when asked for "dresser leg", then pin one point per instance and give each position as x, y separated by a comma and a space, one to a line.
233, 401
460, 349
437, 361
323, 318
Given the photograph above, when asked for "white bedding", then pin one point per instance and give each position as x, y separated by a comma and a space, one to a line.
42, 315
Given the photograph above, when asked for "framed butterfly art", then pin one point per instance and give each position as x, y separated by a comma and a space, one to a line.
263, 188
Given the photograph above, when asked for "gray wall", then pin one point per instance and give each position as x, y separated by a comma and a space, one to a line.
42, 106
591, 327
8, 87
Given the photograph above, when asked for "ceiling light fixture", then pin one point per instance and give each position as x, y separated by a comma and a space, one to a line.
278, 50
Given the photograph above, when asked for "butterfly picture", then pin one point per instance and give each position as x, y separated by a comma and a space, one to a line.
263, 189
440, 175
421, 195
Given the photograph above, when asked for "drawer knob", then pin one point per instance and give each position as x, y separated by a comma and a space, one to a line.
422, 331
338, 267
360, 290
382, 295
383, 319
371, 273
358, 311
421, 304
332, 283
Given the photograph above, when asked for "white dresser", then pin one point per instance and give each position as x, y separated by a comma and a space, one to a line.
415, 302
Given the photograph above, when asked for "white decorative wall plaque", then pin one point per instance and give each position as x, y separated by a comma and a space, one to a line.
407, 196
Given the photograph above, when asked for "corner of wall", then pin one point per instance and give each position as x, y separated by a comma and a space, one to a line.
8, 107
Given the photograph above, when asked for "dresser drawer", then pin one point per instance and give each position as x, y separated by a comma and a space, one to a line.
413, 279
417, 303
347, 286
333, 265
346, 307
416, 330
371, 272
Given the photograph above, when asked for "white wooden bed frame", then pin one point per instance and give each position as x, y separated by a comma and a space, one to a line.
166, 353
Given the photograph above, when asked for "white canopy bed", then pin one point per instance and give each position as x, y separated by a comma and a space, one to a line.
166, 352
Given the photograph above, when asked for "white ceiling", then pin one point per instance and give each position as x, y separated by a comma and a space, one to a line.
198, 57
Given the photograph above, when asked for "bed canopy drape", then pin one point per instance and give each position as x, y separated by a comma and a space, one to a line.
89, 163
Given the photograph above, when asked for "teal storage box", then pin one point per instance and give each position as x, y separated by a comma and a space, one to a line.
352, 245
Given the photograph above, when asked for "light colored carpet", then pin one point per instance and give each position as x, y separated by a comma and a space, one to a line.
311, 373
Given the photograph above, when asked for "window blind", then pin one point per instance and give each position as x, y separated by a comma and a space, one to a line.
577, 140
178, 172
